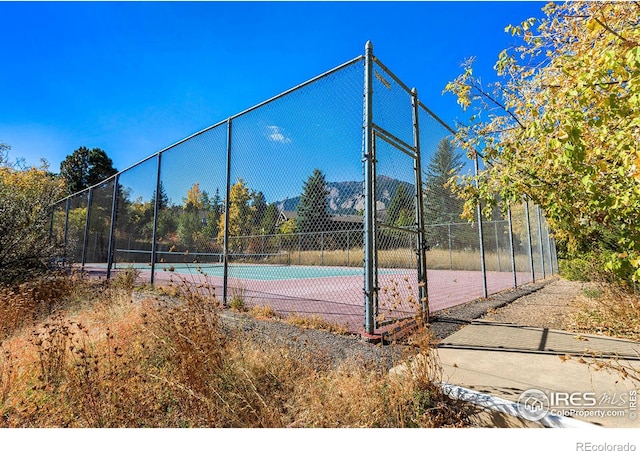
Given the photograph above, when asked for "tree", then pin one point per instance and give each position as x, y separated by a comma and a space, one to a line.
216, 208
259, 209
269, 220
239, 214
401, 208
84, 168
195, 198
26, 197
562, 126
442, 205
190, 223
313, 209
189, 228
163, 200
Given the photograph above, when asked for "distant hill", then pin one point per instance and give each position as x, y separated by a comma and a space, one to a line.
347, 198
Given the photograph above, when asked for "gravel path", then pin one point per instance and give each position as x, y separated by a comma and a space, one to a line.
550, 307
446, 322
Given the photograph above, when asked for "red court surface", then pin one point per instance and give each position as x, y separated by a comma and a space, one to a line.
340, 299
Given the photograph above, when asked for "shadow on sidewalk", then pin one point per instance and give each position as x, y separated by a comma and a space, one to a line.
491, 336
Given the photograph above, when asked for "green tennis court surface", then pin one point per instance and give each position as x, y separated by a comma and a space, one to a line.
260, 272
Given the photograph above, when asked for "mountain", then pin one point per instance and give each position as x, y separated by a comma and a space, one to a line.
347, 198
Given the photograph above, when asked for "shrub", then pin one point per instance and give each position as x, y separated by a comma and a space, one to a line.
26, 196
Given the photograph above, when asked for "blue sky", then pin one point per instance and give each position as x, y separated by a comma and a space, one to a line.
133, 78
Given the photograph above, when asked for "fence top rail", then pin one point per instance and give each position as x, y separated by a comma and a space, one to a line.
392, 75
432, 114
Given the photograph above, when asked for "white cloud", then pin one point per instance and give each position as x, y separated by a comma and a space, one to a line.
275, 134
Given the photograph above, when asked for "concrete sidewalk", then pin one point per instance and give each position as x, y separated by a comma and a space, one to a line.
505, 360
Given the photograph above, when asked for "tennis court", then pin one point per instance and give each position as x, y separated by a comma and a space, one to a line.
314, 202
331, 292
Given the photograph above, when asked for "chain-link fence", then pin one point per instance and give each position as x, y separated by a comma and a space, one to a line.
312, 203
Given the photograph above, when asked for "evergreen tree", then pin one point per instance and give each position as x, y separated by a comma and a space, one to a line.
163, 201
216, 208
269, 220
401, 207
313, 209
441, 205
259, 209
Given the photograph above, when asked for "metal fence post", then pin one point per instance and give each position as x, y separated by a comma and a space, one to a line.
85, 241
495, 228
555, 255
450, 248
512, 248
348, 250
156, 209
112, 226
529, 241
481, 235
227, 202
549, 249
368, 156
421, 249
544, 274
66, 225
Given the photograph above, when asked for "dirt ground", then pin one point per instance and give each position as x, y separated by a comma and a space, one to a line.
551, 307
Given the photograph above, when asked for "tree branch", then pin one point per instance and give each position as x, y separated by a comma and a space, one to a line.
491, 99
604, 83
610, 30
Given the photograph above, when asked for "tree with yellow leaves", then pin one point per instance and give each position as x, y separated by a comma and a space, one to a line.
26, 197
562, 127
239, 214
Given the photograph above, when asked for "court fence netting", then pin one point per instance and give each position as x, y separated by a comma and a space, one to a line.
327, 200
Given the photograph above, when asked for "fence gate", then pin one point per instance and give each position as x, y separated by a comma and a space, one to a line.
391, 154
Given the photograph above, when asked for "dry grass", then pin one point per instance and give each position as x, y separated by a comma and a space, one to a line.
607, 309
124, 359
264, 312
316, 322
406, 258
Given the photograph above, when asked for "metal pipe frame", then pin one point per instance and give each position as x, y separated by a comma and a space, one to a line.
529, 241
394, 141
85, 241
549, 248
544, 273
368, 157
483, 266
112, 225
392, 75
512, 248
421, 248
156, 208
227, 202
66, 224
